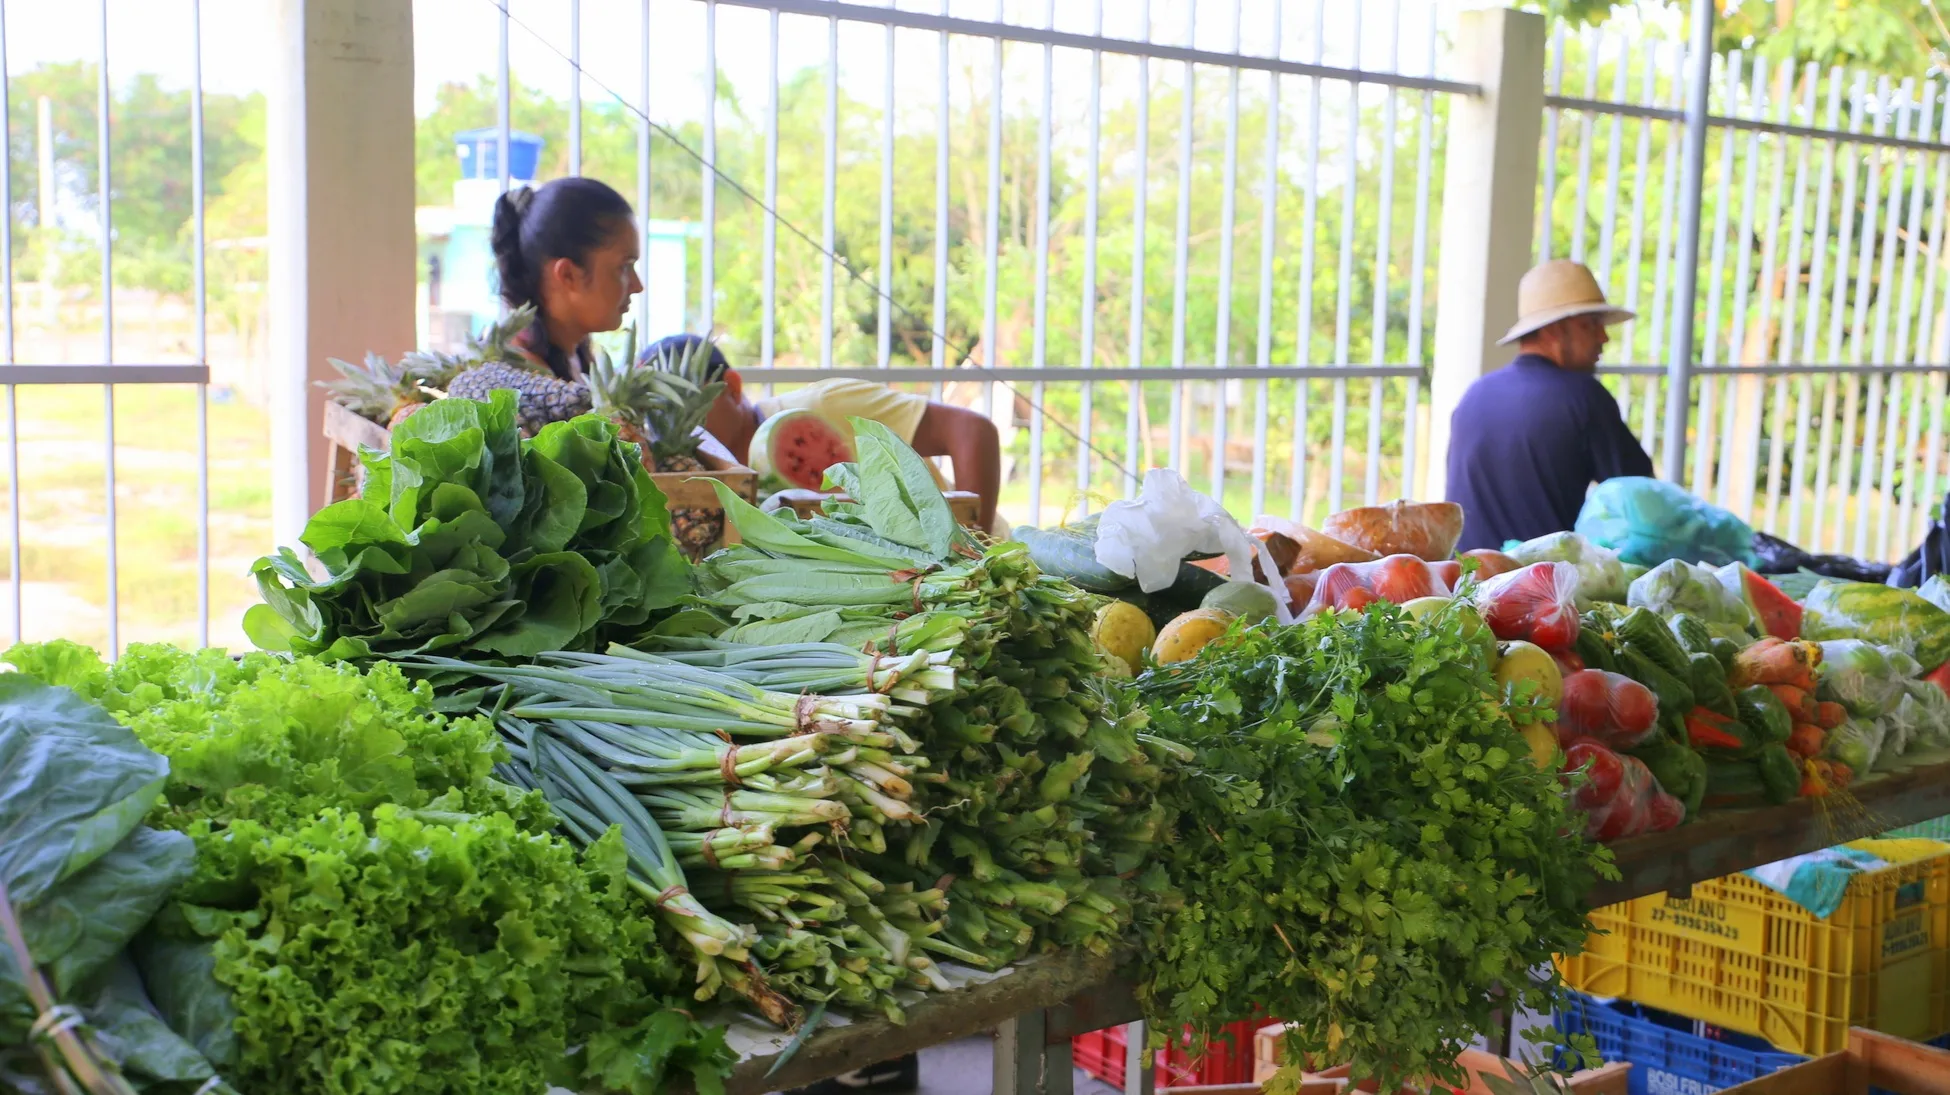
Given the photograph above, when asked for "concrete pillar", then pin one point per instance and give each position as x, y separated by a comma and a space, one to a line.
1489, 202
341, 213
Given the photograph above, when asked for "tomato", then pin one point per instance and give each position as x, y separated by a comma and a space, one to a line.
1622, 818
1357, 599
1448, 572
1633, 706
1586, 702
1567, 662
1527, 604
1401, 579
1490, 563
1335, 581
1665, 812
1604, 771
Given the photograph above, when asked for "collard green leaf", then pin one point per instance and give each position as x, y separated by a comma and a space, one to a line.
181, 977
129, 1031
918, 491
560, 595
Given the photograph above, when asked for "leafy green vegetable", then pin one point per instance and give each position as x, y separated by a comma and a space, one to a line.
467, 538
1359, 846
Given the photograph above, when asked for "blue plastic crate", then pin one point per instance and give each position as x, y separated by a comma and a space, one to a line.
1667, 1059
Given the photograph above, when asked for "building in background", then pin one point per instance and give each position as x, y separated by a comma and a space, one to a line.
457, 282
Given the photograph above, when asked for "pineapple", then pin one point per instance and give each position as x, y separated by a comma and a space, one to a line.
541, 396
437, 370
660, 407
385, 393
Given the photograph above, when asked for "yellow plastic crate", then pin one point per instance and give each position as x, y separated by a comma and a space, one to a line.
1741, 956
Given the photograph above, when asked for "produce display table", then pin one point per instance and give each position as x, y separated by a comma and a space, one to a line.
1037, 1006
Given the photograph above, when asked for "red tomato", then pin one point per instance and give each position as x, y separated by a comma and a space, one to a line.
1448, 572
1556, 628
1334, 582
1665, 812
1633, 706
1620, 819
1357, 599
1401, 579
1567, 662
1586, 702
1526, 604
1604, 771
1489, 563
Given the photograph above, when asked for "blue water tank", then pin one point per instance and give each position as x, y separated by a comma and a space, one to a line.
480, 154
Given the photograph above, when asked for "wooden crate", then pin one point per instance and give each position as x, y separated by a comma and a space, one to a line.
348, 431
1872, 1060
965, 505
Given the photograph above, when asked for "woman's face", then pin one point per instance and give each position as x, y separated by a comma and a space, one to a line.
595, 295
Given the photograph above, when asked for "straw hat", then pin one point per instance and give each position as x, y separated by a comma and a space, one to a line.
1559, 289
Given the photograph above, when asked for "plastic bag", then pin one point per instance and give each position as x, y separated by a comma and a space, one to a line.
1932, 716
1537, 604
1609, 708
1601, 577
1776, 556
1648, 521
1398, 578
1427, 530
1936, 590
1856, 743
1148, 537
1883, 614
1674, 586
1864, 677
1620, 797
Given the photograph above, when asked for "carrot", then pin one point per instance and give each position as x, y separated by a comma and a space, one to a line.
1806, 740
1771, 661
1829, 715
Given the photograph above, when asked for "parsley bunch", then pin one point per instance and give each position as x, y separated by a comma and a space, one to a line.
1362, 848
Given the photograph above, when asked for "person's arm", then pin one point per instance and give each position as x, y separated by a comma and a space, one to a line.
1615, 450
970, 440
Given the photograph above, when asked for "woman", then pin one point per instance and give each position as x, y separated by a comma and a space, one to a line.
569, 250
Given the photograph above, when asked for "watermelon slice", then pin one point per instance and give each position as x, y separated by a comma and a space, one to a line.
1775, 613
798, 446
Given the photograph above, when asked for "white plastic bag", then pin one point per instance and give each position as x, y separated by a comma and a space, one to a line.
1148, 537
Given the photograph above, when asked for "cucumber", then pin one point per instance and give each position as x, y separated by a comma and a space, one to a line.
1709, 681
1593, 652
1073, 555
1692, 634
1734, 783
1643, 627
1675, 696
1725, 650
1678, 769
1780, 774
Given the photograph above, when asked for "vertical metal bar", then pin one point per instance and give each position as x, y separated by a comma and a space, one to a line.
1818, 247
1268, 226
1789, 303
1864, 289
707, 265
1665, 265
7, 332
1019, 1054
1635, 244
1607, 233
575, 87
1378, 341
1851, 385
1179, 459
1552, 116
1874, 492
1898, 384
1590, 43
643, 158
944, 109
1040, 336
1679, 367
992, 255
1418, 277
105, 192
1140, 200
503, 112
199, 292
1228, 214
1829, 533
768, 324
1344, 297
1730, 494
1925, 337
884, 312
1303, 336
1140, 1078
1702, 481
1937, 382
827, 242
1087, 337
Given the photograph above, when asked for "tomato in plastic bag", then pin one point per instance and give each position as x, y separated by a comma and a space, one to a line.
1620, 796
1609, 708
1537, 604
1398, 578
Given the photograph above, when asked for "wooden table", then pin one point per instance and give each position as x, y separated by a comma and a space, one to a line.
1039, 1005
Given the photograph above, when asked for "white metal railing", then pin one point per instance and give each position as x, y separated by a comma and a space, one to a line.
1224, 357
1816, 409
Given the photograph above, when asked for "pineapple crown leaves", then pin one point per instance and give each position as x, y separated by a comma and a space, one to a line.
373, 387
683, 396
434, 369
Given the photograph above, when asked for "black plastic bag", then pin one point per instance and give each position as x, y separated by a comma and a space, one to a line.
1777, 556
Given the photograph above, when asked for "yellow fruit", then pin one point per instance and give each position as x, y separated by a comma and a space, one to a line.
1543, 744
1520, 661
1472, 622
1185, 636
1122, 629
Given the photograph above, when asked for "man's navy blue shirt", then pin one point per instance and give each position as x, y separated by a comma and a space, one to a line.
1525, 444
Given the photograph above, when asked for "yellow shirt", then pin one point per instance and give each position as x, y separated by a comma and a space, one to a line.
843, 398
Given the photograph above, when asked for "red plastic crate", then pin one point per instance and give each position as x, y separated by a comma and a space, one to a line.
1227, 1060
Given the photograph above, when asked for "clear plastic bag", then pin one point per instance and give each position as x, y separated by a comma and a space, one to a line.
1427, 530
1601, 577
1609, 708
1648, 521
1675, 586
1864, 677
1620, 797
1856, 743
1398, 578
1883, 614
1537, 604
1931, 729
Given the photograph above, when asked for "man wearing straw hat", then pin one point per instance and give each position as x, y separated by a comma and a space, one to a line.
1529, 439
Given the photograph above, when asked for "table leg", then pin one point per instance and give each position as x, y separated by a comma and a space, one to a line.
1019, 1054
1139, 1077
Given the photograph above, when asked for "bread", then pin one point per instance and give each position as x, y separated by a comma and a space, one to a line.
1428, 530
